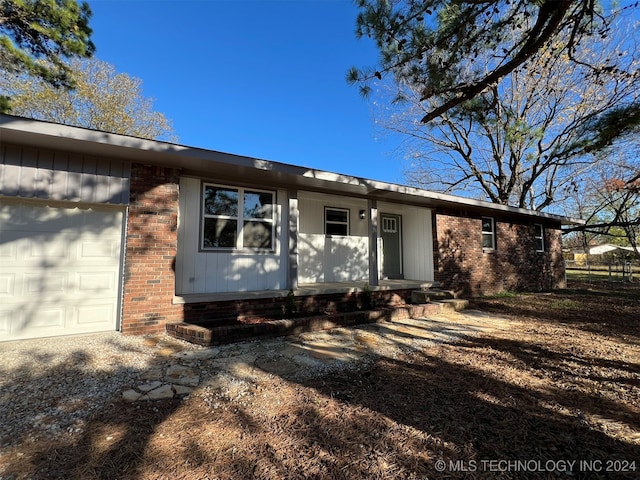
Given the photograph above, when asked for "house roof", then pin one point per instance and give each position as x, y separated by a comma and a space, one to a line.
230, 167
608, 247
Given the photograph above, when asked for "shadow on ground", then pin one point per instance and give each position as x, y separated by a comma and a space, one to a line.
555, 389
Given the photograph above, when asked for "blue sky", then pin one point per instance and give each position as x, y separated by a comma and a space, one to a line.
262, 78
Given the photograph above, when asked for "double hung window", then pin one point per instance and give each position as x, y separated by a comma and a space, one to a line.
336, 221
488, 233
237, 218
539, 237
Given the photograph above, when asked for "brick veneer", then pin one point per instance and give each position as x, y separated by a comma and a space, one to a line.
461, 264
199, 313
149, 283
152, 241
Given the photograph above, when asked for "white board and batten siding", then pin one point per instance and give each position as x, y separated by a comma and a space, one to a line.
331, 258
417, 239
61, 243
200, 271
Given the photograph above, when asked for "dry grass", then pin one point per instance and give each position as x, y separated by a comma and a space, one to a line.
563, 384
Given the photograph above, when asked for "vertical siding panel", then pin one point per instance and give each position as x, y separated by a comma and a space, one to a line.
59, 176
44, 180
88, 180
74, 179
120, 173
428, 247
28, 173
125, 180
190, 226
103, 179
11, 171
205, 274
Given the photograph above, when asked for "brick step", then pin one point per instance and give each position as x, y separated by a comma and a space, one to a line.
207, 334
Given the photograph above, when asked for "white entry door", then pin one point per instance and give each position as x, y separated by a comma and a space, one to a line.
60, 269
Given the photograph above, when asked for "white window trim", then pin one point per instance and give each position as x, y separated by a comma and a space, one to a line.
330, 222
486, 232
539, 237
240, 219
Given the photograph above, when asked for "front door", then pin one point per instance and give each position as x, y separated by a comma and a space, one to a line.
391, 233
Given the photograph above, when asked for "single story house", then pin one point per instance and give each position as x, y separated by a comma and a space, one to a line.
102, 232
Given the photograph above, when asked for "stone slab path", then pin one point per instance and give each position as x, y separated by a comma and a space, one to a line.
180, 368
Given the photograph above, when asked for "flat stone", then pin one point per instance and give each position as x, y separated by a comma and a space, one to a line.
182, 390
197, 354
161, 393
183, 375
131, 396
276, 365
147, 387
152, 374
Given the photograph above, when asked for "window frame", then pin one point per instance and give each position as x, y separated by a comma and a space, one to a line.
538, 237
240, 219
347, 223
492, 233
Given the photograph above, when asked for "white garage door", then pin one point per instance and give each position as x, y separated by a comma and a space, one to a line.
59, 269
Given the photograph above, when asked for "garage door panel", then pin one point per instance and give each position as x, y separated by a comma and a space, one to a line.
102, 222
7, 284
46, 285
26, 217
100, 249
8, 248
6, 315
60, 272
96, 283
48, 248
95, 316
45, 318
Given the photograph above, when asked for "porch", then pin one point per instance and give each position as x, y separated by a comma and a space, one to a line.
228, 317
306, 290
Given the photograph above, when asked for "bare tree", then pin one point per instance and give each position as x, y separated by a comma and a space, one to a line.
609, 199
527, 141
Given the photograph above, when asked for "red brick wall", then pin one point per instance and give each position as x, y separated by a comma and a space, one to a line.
152, 240
461, 264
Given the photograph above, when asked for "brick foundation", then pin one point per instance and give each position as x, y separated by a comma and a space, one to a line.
210, 334
461, 264
209, 312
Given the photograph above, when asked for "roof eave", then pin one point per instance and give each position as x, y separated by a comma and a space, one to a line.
53, 136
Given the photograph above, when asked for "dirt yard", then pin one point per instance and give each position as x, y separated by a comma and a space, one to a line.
557, 395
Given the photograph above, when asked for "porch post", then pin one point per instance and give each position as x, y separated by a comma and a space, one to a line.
373, 242
292, 236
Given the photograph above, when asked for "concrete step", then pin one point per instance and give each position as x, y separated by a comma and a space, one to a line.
431, 295
456, 304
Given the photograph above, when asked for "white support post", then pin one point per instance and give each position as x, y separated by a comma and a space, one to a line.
292, 247
373, 243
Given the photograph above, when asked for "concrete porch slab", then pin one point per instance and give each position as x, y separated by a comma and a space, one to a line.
305, 290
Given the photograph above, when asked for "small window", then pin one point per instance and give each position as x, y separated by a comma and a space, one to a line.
336, 221
389, 225
539, 237
237, 218
488, 233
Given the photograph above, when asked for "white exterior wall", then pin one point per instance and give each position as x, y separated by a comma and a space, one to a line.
321, 258
417, 240
335, 258
215, 272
